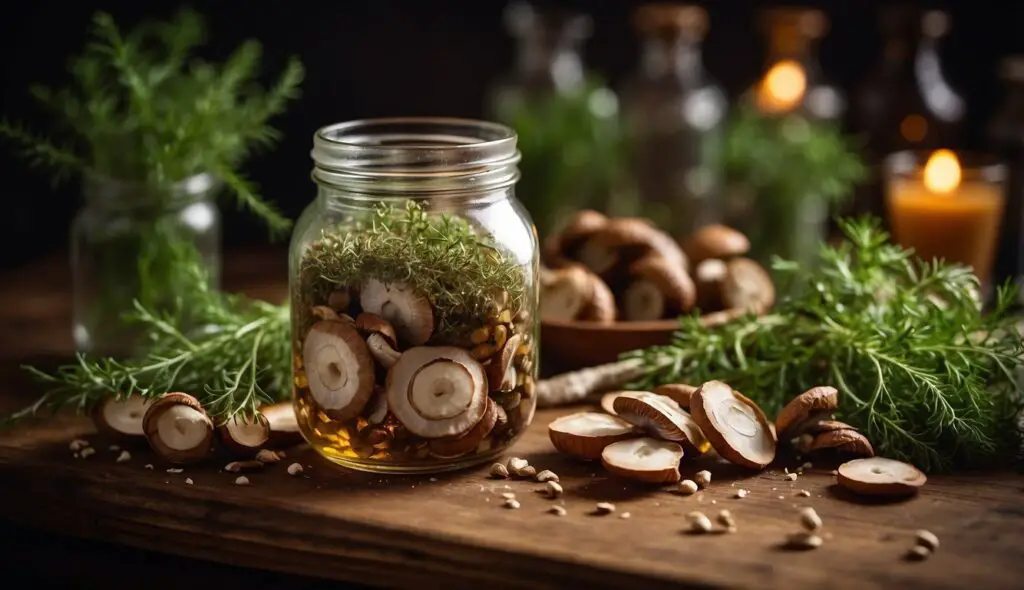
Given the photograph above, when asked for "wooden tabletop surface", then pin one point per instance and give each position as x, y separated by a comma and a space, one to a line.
451, 530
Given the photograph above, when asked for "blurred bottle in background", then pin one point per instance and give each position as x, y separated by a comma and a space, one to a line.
1006, 138
906, 102
672, 115
566, 119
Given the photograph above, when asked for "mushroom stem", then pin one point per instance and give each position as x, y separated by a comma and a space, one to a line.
576, 386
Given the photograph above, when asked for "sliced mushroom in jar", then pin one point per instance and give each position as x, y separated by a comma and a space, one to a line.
453, 446
411, 314
339, 369
437, 391
501, 374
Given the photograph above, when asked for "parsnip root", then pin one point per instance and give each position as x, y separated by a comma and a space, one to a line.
576, 386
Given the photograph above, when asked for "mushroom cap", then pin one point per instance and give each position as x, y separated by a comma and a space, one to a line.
121, 418
877, 476
735, 425
846, 441
586, 434
633, 236
715, 241
584, 224
660, 417
371, 323
284, 424
601, 304
709, 277
382, 350
409, 313
165, 422
816, 401
565, 292
747, 286
339, 369
820, 426
608, 399
245, 437
644, 459
437, 391
672, 283
453, 446
678, 392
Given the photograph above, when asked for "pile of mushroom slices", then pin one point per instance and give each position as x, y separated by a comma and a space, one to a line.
643, 435
605, 269
377, 373
179, 430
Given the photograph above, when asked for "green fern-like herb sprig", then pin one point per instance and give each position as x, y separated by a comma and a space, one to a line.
922, 371
442, 257
142, 108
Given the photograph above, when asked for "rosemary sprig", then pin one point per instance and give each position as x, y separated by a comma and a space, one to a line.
922, 371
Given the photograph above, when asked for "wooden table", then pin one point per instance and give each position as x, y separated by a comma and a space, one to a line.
451, 531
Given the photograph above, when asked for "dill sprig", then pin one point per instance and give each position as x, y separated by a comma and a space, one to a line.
141, 107
922, 370
441, 256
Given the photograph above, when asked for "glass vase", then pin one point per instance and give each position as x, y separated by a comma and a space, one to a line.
134, 242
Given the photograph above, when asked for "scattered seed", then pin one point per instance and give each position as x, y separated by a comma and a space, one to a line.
294, 469
781, 497
919, 553
699, 522
508, 495
175, 470
725, 519
741, 493
605, 507
835, 472
557, 510
188, 481
552, 489
87, 452
499, 471
809, 519
804, 494
527, 472
433, 479
791, 476
78, 444
927, 539
511, 503
624, 515
149, 466
267, 456
114, 448
241, 480
123, 457
687, 487
714, 501
804, 540
547, 475
76, 455
702, 478
807, 465
785, 469
515, 464
236, 466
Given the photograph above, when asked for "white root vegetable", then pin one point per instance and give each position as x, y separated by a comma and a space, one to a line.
575, 386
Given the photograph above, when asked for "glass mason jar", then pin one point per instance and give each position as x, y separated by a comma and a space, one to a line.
413, 285
130, 243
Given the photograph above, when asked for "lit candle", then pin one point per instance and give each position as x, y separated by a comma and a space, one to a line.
946, 210
782, 88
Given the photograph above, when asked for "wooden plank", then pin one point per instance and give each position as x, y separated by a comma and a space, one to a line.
402, 530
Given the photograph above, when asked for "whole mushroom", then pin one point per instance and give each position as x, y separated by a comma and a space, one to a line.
658, 288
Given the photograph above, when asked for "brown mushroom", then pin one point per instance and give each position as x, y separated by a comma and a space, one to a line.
709, 277
245, 437
813, 405
437, 391
644, 459
625, 239
747, 286
820, 426
735, 425
410, 313
565, 292
715, 241
678, 392
501, 374
453, 446
178, 428
381, 339
121, 418
586, 434
601, 306
562, 247
846, 441
661, 418
876, 476
339, 369
657, 289
378, 406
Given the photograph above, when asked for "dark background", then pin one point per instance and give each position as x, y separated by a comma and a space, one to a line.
387, 58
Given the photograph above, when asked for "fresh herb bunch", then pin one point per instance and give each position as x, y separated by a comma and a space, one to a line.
922, 371
442, 257
142, 108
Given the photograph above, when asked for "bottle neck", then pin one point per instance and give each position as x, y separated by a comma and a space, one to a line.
672, 57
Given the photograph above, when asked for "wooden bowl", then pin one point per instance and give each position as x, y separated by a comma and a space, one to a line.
570, 345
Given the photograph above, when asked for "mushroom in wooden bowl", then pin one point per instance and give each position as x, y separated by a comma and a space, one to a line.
610, 285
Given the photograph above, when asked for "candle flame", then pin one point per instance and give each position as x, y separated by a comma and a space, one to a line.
942, 172
783, 86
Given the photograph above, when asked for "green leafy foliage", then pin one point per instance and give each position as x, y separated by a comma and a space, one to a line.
922, 371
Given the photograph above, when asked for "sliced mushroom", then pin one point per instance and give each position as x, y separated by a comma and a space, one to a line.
339, 369
608, 400
747, 286
121, 418
661, 418
709, 277
644, 459
586, 434
846, 441
877, 476
378, 406
178, 428
813, 405
284, 425
380, 338
820, 426
245, 437
565, 293
677, 392
437, 391
453, 446
625, 239
658, 289
501, 375
735, 425
715, 241
410, 314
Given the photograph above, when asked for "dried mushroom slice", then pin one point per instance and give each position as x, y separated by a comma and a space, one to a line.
715, 241
846, 441
410, 313
381, 339
586, 434
747, 286
877, 476
709, 277
608, 400
453, 446
437, 391
736, 427
813, 405
284, 425
658, 288
121, 418
178, 428
565, 293
245, 437
677, 392
339, 369
662, 418
501, 374
644, 459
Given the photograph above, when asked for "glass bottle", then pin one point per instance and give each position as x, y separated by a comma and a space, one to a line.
672, 114
128, 243
1006, 137
413, 285
566, 119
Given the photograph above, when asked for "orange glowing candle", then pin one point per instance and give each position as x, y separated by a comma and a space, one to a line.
946, 209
